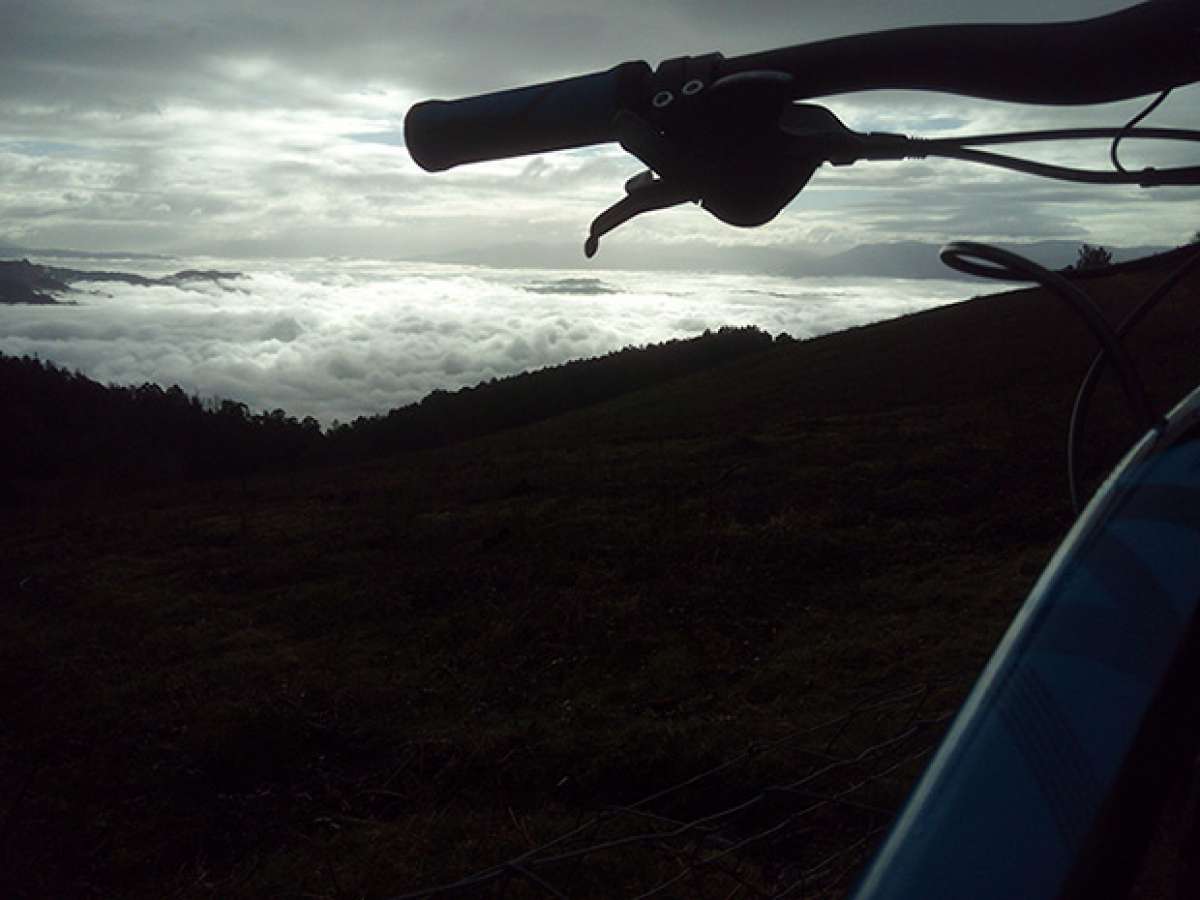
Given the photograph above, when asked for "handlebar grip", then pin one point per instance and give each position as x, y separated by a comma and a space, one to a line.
556, 115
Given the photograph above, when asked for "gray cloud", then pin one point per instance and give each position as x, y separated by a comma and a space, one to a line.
128, 57
213, 125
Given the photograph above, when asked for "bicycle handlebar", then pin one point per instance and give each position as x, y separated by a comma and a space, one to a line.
1136, 51
573, 112
1149, 47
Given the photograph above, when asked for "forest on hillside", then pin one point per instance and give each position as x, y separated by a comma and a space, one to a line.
70, 426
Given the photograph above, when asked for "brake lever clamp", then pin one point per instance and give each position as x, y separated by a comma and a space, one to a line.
743, 151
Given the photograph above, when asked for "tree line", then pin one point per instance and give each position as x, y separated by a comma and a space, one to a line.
62, 424
445, 417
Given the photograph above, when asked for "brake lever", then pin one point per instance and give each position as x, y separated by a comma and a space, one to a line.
676, 182
743, 156
644, 193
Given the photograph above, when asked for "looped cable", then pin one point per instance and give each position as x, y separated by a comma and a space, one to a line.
1087, 387
987, 261
1129, 126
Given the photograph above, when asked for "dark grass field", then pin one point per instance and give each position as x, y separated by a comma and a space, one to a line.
364, 681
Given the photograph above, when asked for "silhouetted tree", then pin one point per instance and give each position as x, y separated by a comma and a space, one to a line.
1092, 258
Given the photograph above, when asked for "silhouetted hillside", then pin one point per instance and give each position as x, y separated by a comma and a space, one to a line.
444, 417
74, 427
67, 426
23, 282
368, 679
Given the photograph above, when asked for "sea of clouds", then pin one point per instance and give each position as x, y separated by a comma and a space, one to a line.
337, 339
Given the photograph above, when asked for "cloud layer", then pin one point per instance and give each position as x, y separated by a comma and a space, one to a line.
348, 339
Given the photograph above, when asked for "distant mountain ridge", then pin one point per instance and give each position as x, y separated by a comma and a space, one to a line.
24, 282
896, 259
630, 256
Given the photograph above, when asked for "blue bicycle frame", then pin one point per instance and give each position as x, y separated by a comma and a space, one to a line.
1045, 785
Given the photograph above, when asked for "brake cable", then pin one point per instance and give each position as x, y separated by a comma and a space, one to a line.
1087, 387
959, 148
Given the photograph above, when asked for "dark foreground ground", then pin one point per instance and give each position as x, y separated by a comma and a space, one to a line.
362, 681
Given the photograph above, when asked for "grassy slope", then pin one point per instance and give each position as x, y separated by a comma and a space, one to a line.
369, 679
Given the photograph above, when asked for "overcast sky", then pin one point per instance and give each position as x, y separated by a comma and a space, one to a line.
222, 127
